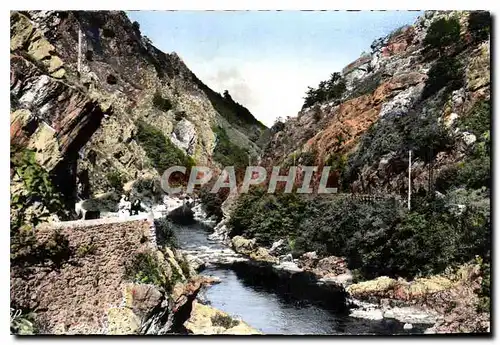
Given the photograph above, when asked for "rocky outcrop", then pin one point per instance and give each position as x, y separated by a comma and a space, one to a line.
448, 303
248, 247
184, 136
385, 83
207, 320
48, 115
65, 113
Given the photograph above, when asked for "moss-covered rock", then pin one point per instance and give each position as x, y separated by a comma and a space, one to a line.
207, 320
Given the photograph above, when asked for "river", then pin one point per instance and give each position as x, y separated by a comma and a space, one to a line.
269, 309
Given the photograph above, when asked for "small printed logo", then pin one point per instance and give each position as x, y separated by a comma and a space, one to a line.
15, 313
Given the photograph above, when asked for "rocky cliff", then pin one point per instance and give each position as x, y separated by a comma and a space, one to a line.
94, 123
387, 96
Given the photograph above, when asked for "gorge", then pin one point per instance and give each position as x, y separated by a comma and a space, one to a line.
93, 128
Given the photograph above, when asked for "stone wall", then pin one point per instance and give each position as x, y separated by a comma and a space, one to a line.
76, 297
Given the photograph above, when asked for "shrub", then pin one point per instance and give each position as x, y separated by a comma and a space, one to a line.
484, 292
161, 103
479, 24
108, 32
115, 180
377, 238
278, 126
447, 73
424, 135
368, 86
267, 217
159, 149
184, 265
306, 158
442, 33
145, 268
23, 324
223, 321
86, 249
478, 119
328, 90
473, 172
165, 232
37, 186
30, 204
136, 26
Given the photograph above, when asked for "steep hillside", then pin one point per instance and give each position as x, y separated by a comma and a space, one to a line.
130, 112
423, 89
406, 94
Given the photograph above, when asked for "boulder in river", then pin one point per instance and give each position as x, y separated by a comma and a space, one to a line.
242, 245
208, 320
248, 247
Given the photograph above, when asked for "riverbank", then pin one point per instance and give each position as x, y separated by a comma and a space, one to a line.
436, 304
295, 301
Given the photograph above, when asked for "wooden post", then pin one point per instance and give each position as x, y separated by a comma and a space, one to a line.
409, 180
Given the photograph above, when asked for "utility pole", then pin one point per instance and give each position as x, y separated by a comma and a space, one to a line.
409, 180
79, 50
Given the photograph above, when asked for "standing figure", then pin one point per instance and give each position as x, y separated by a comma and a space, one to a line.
136, 207
124, 206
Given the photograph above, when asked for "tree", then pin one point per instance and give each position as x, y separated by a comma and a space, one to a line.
479, 24
227, 96
442, 33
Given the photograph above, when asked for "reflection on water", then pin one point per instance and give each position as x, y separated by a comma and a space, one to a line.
269, 309
274, 313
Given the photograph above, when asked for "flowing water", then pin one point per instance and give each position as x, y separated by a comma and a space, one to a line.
267, 308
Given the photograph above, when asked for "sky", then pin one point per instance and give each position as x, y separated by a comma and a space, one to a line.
267, 59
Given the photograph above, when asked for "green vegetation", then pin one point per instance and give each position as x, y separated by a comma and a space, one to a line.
33, 199
474, 172
86, 249
442, 33
328, 90
232, 111
267, 216
161, 103
448, 73
478, 120
159, 149
380, 238
227, 153
146, 268
136, 26
165, 232
425, 135
23, 324
484, 292
184, 265
115, 180
368, 86
479, 24
337, 163
37, 187
223, 321
108, 32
